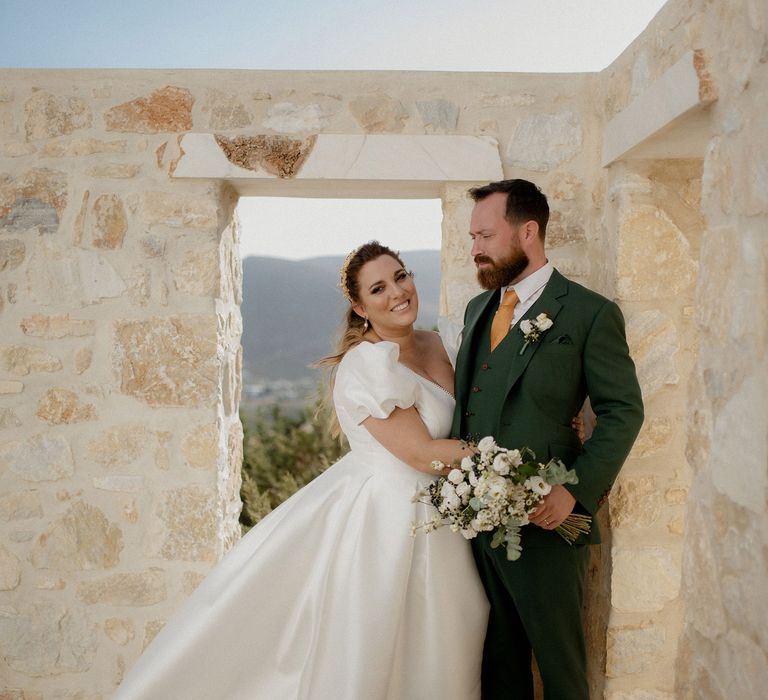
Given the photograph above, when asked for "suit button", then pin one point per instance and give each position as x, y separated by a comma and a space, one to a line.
485, 365
468, 413
475, 389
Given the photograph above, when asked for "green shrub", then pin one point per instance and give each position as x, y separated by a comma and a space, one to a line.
282, 453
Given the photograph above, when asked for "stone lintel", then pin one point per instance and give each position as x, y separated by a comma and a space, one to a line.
340, 165
668, 120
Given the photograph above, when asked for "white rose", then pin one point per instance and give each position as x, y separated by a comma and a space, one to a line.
486, 444
515, 458
473, 479
526, 326
463, 489
456, 476
453, 501
467, 464
543, 322
447, 490
501, 464
537, 485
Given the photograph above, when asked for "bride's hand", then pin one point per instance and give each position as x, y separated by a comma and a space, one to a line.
578, 425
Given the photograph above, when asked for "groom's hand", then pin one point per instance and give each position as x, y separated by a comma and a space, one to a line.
554, 509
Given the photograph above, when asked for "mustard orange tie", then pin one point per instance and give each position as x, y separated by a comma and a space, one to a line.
503, 318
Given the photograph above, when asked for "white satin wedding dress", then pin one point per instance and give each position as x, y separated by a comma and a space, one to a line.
330, 597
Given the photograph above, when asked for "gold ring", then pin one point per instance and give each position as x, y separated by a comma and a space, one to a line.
546, 521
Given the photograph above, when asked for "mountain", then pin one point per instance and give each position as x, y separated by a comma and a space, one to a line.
293, 310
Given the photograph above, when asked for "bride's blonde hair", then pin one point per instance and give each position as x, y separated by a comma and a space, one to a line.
355, 326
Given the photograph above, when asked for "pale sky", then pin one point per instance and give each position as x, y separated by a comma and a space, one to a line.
541, 36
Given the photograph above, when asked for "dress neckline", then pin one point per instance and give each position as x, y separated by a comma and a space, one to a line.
429, 381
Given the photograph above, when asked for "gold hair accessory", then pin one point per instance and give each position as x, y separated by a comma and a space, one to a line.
343, 274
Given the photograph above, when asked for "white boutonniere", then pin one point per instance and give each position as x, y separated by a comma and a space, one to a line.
532, 330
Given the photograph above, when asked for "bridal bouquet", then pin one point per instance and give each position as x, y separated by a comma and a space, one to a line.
496, 489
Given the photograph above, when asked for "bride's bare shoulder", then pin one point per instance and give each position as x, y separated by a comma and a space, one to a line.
431, 342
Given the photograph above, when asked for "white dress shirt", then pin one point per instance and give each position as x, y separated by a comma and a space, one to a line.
529, 290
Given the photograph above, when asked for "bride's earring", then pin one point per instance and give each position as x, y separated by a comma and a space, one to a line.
365, 325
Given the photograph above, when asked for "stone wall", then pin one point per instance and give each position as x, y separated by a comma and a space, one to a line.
120, 284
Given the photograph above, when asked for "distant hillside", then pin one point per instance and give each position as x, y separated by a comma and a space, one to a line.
292, 310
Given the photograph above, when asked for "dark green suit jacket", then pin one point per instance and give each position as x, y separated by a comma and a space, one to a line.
583, 354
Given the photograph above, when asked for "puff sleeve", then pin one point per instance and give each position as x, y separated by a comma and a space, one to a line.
371, 382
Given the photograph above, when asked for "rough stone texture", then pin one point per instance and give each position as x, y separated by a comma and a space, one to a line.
54, 115
168, 361
633, 648
32, 202
563, 230
168, 109
109, 222
277, 155
190, 519
10, 570
120, 482
645, 579
289, 118
82, 539
66, 148
636, 502
40, 326
9, 386
544, 141
46, 639
225, 110
60, 405
119, 630
151, 630
653, 341
83, 359
42, 457
655, 434
190, 581
116, 171
23, 359
438, 116
197, 273
178, 211
12, 254
20, 506
133, 589
119, 446
200, 446
379, 114
75, 277
8, 419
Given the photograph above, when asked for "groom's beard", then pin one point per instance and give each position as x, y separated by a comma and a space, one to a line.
502, 272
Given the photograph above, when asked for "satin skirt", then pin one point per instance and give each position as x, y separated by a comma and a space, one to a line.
329, 598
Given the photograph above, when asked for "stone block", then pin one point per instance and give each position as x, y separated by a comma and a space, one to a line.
40, 326
655, 435
10, 570
115, 171
634, 649
23, 359
179, 211
541, 142
200, 446
8, 419
168, 109
44, 638
438, 116
189, 515
119, 630
9, 386
128, 589
60, 405
151, 630
655, 261
67, 148
225, 110
562, 230
379, 114
644, 580
152, 246
73, 277
653, 342
83, 359
190, 580
197, 273
80, 540
18, 150
119, 446
34, 201
50, 115
42, 457
168, 361
639, 694
21, 505
636, 502
12, 254
290, 118
109, 222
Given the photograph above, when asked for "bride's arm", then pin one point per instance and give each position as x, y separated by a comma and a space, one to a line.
404, 434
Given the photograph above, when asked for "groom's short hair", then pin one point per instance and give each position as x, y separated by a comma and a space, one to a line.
525, 201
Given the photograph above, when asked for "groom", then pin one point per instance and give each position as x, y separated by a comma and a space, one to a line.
525, 394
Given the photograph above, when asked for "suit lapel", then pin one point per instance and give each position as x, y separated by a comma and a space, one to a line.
547, 303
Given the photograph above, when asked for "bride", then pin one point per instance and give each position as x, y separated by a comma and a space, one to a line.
330, 597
